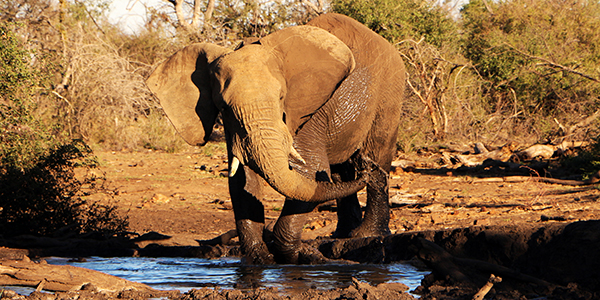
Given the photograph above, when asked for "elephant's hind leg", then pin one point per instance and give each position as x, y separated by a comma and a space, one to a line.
377, 214
348, 209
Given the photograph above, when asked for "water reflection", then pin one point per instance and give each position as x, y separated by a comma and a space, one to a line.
186, 273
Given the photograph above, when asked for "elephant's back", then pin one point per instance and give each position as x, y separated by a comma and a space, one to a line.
369, 48
372, 52
378, 82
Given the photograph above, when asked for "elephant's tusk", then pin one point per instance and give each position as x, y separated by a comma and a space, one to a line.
297, 155
235, 163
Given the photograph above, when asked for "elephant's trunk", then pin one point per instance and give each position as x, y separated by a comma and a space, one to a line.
271, 148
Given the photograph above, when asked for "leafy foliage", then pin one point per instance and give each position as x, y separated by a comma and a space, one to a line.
22, 137
397, 20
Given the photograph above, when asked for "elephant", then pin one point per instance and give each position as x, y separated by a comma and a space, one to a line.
313, 110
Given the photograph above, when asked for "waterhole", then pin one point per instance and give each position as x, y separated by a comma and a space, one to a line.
187, 273
184, 274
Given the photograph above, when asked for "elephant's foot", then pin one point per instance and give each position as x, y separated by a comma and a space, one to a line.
254, 248
288, 231
258, 255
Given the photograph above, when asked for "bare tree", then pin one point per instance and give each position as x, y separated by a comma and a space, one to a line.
197, 15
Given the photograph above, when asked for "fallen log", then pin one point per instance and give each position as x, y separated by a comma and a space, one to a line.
57, 278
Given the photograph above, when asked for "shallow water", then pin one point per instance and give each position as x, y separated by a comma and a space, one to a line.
186, 273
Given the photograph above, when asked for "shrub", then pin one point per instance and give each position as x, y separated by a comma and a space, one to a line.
47, 198
39, 192
539, 57
397, 20
22, 136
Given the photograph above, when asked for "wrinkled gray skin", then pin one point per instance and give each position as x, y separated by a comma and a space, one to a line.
312, 110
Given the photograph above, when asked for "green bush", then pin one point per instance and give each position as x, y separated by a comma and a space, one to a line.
22, 137
39, 192
397, 20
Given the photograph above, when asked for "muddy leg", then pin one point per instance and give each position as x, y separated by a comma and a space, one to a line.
348, 209
245, 191
288, 230
377, 215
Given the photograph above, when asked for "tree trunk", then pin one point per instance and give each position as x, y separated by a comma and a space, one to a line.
210, 7
195, 23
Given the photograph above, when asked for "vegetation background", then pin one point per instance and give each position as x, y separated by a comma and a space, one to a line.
525, 71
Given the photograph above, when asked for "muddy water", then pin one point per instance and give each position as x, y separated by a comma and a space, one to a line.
186, 273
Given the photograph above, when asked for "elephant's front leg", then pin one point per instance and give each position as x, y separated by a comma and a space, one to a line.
287, 232
377, 214
245, 191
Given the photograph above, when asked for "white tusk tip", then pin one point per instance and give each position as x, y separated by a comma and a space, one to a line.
235, 163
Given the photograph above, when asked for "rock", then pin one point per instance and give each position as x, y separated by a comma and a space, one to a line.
160, 199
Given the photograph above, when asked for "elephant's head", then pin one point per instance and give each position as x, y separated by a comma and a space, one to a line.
265, 91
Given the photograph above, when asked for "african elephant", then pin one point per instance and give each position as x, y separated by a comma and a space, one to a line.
313, 110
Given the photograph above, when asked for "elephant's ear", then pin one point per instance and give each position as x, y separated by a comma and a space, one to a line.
182, 85
314, 62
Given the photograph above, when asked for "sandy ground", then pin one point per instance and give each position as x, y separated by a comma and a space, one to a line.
185, 195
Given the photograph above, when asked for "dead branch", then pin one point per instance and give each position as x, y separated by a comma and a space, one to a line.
487, 287
542, 151
488, 7
428, 105
502, 154
194, 24
583, 123
500, 157
429, 69
92, 18
595, 178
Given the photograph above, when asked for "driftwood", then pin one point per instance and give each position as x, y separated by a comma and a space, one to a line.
62, 278
481, 154
548, 151
487, 287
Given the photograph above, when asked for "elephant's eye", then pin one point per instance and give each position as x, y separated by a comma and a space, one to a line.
284, 118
